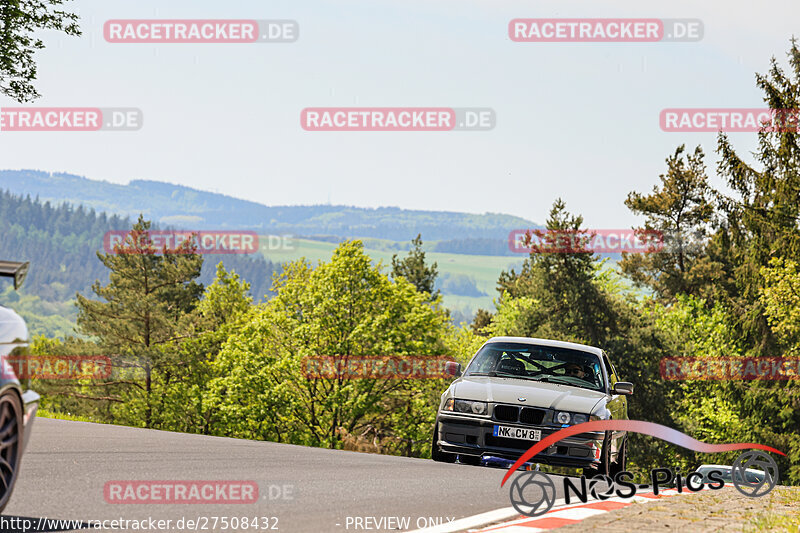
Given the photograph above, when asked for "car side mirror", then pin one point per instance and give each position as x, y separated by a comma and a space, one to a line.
452, 368
623, 387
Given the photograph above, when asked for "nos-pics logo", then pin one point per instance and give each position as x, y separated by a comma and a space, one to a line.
754, 473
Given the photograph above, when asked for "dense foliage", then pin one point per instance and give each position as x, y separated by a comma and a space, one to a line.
724, 285
20, 24
727, 284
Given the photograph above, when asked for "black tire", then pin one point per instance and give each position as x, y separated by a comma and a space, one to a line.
622, 458
437, 454
11, 434
604, 468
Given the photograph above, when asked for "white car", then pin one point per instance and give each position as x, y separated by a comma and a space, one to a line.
725, 474
517, 390
17, 408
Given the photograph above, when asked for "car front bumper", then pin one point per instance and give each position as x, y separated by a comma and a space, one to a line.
467, 435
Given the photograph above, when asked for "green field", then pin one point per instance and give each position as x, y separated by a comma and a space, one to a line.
483, 269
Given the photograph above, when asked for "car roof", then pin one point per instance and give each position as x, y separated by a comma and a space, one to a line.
548, 342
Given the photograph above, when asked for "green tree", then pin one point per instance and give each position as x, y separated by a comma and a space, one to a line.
781, 298
562, 295
767, 412
761, 216
221, 312
779, 402
85, 397
414, 269
147, 303
681, 212
341, 309
483, 318
19, 20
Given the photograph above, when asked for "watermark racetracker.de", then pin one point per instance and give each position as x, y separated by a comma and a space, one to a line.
70, 119
730, 368
397, 119
609, 30
151, 493
51, 367
200, 31
729, 120
176, 242
585, 241
148, 242
378, 367
533, 493
180, 492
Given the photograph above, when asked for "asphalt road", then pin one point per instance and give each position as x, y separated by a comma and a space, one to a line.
67, 465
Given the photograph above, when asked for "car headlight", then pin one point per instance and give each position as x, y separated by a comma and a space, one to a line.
466, 406
562, 417
579, 418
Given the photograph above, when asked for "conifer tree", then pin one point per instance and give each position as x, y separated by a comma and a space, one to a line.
144, 308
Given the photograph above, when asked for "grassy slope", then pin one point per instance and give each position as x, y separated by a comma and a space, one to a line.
483, 269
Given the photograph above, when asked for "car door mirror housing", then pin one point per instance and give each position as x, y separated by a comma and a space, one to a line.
452, 368
623, 387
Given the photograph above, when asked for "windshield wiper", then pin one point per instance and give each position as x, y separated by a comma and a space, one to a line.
516, 376
495, 374
549, 379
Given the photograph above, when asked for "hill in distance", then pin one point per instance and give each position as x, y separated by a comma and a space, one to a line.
183, 207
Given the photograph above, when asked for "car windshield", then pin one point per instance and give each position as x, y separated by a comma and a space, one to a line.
540, 363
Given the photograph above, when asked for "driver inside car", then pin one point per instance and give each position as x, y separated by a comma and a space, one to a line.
575, 371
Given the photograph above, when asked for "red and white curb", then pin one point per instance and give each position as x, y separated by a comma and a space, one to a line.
560, 515
574, 513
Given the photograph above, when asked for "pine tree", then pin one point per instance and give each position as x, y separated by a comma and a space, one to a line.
761, 217
414, 269
680, 211
560, 280
148, 300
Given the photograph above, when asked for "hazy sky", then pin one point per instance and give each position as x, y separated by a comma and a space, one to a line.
576, 120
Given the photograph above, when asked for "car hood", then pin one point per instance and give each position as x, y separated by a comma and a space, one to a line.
537, 394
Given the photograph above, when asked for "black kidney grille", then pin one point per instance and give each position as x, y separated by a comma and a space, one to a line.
531, 416
506, 413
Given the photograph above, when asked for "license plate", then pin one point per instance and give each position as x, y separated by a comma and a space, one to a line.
509, 432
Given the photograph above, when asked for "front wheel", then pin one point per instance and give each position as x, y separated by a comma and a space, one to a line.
436, 453
11, 432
